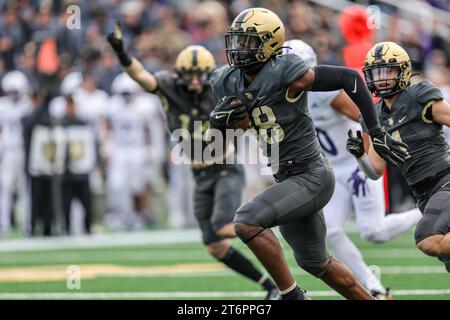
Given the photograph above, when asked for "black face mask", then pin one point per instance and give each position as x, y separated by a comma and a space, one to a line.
242, 48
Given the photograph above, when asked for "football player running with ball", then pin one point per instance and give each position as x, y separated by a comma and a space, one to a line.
187, 98
272, 88
415, 114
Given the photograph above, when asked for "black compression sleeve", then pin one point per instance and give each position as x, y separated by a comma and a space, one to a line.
124, 59
328, 78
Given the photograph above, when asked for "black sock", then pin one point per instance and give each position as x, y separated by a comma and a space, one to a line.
294, 294
239, 263
268, 284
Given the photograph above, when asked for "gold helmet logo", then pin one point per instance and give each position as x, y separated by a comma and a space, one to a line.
387, 69
192, 60
195, 58
255, 36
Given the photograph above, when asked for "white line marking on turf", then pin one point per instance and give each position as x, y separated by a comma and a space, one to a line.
151, 238
169, 255
398, 270
166, 295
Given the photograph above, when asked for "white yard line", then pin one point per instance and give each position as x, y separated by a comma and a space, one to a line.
169, 255
153, 237
101, 240
168, 295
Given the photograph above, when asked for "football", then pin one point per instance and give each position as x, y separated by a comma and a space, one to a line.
244, 123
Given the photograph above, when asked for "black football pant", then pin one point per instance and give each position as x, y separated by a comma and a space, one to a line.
77, 189
42, 205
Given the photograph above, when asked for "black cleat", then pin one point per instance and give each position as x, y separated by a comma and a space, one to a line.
382, 296
296, 294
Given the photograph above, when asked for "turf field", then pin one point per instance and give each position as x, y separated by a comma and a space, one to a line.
174, 265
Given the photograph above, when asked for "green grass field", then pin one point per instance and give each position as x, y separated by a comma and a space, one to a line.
185, 271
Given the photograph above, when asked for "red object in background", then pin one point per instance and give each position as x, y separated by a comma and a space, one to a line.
386, 191
353, 25
354, 55
355, 30
359, 37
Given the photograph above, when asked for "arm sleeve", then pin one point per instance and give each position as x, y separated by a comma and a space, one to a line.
329, 78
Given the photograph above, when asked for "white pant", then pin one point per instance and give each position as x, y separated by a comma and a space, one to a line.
127, 177
355, 192
12, 178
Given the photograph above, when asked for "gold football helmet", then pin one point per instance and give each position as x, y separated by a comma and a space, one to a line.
192, 60
387, 62
255, 35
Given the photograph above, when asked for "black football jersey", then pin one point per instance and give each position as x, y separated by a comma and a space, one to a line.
407, 121
280, 122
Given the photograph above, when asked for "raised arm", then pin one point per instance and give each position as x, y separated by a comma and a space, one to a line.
131, 65
327, 78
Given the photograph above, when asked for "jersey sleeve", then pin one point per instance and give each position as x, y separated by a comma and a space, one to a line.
293, 68
165, 80
426, 92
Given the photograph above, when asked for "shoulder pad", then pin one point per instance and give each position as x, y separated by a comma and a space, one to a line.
425, 91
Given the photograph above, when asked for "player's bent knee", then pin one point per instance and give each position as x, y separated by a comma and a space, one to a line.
218, 249
430, 246
247, 232
317, 270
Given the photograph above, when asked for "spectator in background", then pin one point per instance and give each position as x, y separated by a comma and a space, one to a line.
45, 160
12, 35
211, 24
81, 157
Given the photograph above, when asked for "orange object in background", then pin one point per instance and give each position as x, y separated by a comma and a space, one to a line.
47, 60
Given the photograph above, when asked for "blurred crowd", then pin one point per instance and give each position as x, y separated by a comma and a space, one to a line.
122, 175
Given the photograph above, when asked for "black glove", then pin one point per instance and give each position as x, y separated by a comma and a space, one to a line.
355, 145
388, 148
226, 113
115, 39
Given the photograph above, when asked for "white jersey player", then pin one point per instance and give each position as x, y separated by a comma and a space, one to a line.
332, 113
13, 106
136, 142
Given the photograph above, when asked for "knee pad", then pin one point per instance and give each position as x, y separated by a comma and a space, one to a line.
317, 270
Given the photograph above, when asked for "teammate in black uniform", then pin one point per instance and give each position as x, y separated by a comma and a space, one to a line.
271, 89
413, 113
187, 98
